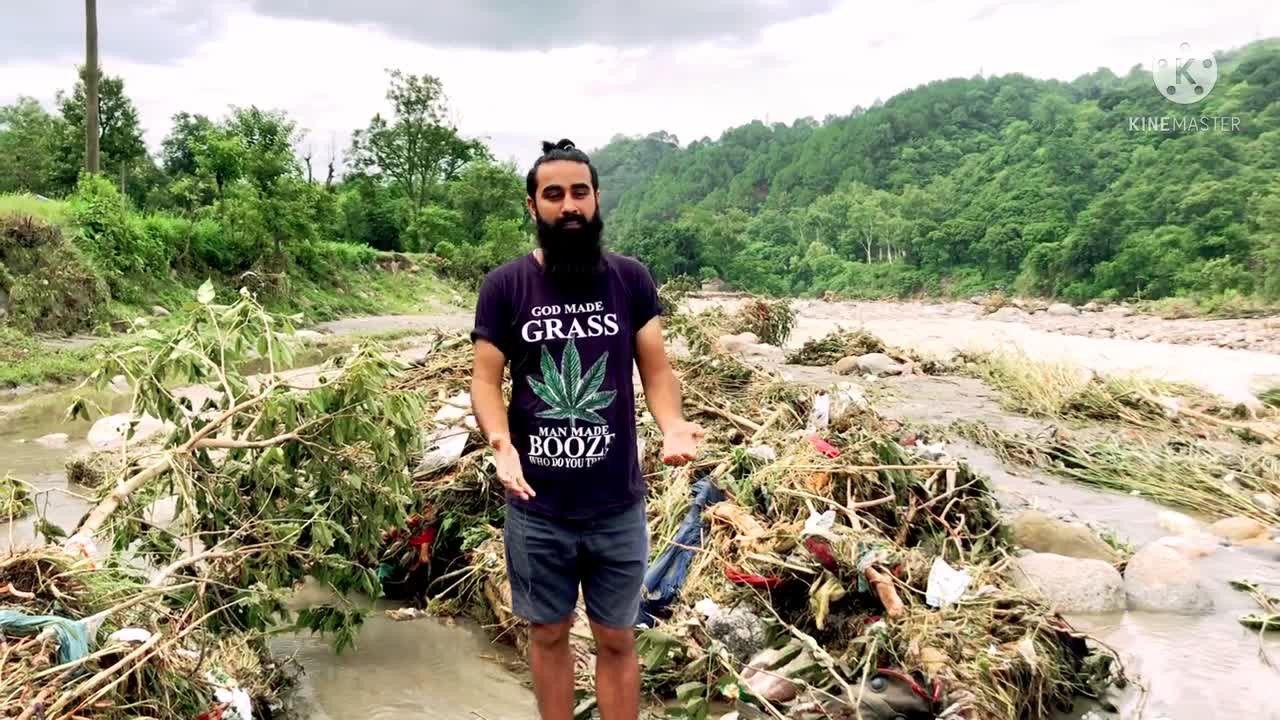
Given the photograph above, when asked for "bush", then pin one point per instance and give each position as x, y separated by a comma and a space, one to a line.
115, 245
321, 260
49, 286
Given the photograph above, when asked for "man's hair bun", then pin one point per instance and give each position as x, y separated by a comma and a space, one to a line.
565, 144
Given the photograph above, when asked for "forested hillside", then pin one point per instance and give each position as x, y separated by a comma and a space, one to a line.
1071, 190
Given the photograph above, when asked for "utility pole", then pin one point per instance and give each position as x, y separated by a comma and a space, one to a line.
92, 160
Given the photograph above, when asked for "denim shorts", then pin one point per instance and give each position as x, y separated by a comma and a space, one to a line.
548, 559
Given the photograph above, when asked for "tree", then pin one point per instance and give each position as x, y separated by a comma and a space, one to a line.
93, 76
119, 134
417, 148
27, 136
179, 148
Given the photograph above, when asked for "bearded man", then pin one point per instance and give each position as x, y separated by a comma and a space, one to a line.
574, 320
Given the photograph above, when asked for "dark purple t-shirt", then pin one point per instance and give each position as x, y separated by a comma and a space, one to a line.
572, 413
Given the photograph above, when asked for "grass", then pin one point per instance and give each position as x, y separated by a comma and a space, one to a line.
52, 211
1228, 304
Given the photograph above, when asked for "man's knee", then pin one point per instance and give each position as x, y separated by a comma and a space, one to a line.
614, 642
550, 637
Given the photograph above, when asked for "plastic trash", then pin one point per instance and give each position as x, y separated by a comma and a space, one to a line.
707, 607
227, 692
130, 635
763, 453
73, 636
824, 447
946, 584
820, 524
820, 415
444, 448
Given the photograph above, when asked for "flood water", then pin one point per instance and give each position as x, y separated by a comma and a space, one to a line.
1187, 667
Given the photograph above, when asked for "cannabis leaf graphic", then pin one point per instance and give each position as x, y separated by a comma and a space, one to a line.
572, 396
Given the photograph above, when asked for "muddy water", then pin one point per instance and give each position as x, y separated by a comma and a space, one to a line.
1190, 667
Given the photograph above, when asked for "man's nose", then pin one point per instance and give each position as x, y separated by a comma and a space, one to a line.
570, 207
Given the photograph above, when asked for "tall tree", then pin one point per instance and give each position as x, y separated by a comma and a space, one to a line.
119, 133
92, 75
27, 135
417, 148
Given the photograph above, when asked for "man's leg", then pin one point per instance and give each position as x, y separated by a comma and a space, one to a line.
617, 673
542, 568
618, 552
551, 663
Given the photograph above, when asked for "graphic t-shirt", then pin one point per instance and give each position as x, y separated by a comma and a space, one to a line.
572, 410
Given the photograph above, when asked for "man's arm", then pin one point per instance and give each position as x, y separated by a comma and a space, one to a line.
662, 395
491, 415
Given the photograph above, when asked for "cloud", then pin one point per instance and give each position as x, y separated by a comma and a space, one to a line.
523, 25
147, 31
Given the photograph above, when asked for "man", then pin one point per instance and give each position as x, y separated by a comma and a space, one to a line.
571, 319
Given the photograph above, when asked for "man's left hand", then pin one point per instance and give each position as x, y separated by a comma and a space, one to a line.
680, 443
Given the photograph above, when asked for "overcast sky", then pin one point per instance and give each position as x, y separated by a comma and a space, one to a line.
520, 71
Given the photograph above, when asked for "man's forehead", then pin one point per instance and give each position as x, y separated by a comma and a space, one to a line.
565, 173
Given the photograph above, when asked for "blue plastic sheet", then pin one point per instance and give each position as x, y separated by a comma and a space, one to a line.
73, 636
667, 574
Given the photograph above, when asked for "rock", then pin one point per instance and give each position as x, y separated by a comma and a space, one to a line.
308, 336
1119, 311
845, 366
121, 326
764, 351
1266, 501
1009, 314
1062, 310
878, 364
1039, 532
739, 630
977, 300
160, 311
1160, 579
1071, 585
714, 285
1092, 306
53, 441
736, 343
1192, 547
1238, 528
109, 432
141, 322
1177, 523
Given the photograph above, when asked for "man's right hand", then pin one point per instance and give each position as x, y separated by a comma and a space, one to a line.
510, 473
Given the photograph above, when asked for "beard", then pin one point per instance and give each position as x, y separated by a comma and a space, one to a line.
572, 255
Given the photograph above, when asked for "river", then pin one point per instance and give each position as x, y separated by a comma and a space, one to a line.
1188, 667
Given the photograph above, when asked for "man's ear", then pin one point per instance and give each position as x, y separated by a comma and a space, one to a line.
533, 210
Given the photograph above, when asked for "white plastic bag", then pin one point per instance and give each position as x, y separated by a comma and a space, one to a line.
820, 415
946, 584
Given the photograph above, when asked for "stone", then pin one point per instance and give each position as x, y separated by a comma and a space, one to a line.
53, 441
1238, 528
109, 432
878, 364
764, 351
740, 630
714, 285
1040, 533
1177, 523
977, 300
121, 326
1009, 314
1160, 579
1119, 311
141, 322
1071, 585
1062, 310
847, 365
308, 336
739, 342
1266, 501
160, 311
1192, 547
1092, 306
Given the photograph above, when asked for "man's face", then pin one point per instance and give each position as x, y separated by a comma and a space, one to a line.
570, 228
565, 197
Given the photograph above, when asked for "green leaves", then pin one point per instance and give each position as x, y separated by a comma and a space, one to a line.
571, 395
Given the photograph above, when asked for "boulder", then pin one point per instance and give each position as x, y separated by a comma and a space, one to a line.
764, 351
1160, 579
1071, 585
737, 343
1238, 529
1040, 533
1092, 306
878, 364
1062, 310
845, 366
54, 441
160, 311
141, 322
1009, 314
714, 285
1119, 311
308, 336
121, 326
109, 432
1177, 523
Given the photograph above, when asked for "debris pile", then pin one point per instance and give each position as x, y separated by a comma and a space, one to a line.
814, 562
